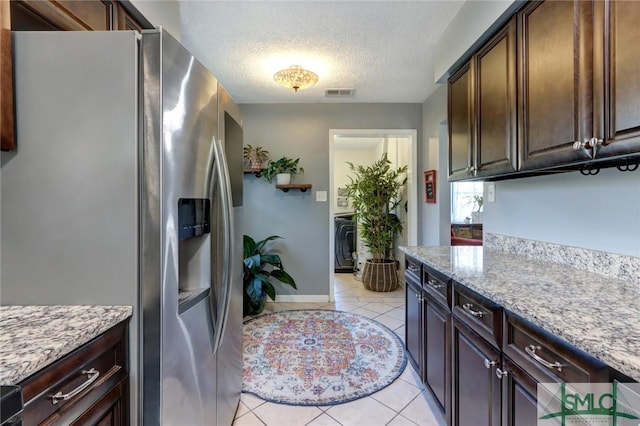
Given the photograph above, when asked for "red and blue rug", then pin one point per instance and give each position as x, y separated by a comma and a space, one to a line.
318, 357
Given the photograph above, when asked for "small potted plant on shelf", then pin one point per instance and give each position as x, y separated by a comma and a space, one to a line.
282, 169
256, 157
375, 193
260, 266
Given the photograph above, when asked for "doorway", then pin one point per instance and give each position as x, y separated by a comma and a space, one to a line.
364, 146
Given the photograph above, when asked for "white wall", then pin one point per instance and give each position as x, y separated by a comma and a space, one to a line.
341, 170
165, 13
469, 24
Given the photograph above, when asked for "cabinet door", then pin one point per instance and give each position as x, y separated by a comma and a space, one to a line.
110, 410
460, 123
413, 324
496, 111
617, 78
125, 21
7, 137
61, 15
519, 400
437, 363
555, 69
476, 389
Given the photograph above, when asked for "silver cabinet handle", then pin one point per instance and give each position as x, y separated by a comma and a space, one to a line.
489, 364
469, 308
412, 268
501, 373
418, 297
593, 142
531, 351
435, 284
577, 145
92, 376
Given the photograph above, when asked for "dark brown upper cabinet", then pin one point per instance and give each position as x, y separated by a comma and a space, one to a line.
482, 110
7, 128
555, 72
65, 15
496, 101
617, 78
460, 116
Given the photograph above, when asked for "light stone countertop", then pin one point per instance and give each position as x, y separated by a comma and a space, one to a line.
597, 314
32, 337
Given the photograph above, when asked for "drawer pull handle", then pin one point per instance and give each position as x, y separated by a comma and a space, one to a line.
531, 350
92, 376
418, 298
435, 284
412, 268
469, 308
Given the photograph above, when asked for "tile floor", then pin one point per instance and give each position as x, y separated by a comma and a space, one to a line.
403, 403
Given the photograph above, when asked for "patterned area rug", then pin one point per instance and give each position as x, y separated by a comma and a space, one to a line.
318, 357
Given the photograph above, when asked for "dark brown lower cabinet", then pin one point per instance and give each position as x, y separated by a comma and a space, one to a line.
476, 388
519, 402
413, 323
437, 359
94, 377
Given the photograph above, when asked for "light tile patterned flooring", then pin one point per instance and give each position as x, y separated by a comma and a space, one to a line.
403, 403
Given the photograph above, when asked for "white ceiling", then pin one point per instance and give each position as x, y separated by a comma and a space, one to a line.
382, 49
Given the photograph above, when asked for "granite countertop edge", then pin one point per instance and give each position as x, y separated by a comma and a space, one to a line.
619, 353
33, 337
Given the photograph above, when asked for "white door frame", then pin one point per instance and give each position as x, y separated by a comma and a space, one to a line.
412, 186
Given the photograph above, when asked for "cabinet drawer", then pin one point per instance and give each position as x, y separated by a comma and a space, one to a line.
479, 313
546, 357
412, 268
85, 375
436, 284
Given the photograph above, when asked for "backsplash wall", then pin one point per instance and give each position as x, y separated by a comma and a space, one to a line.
600, 212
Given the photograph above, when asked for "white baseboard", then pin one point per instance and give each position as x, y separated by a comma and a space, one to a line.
301, 298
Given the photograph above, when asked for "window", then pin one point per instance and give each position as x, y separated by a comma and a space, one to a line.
463, 200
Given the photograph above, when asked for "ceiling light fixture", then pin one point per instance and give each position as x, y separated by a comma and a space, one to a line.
295, 77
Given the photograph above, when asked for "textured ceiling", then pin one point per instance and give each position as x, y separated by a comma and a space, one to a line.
382, 49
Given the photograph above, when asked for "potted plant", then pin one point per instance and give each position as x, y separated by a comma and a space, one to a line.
260, 266
282, 169
375, 192
255, 156
476, 213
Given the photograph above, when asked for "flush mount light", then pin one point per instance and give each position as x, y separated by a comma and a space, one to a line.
295, 77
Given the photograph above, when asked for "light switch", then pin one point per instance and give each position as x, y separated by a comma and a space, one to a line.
491, 193
321, 196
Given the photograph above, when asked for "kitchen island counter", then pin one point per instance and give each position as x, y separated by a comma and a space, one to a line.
597, 314
33, 337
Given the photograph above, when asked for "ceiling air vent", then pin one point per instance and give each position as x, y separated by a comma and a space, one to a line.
338, 93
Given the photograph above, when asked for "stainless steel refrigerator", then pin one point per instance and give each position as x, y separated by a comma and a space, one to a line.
126, 188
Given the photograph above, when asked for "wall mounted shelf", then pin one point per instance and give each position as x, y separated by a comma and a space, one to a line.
256, 172
301, 186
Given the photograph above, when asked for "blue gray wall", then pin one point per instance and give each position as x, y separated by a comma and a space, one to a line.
302, 130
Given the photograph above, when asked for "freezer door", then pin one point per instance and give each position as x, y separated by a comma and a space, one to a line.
179, 117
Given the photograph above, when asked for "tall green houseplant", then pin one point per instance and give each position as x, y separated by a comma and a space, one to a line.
375, 193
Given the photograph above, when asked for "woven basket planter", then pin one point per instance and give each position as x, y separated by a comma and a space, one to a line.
380, 276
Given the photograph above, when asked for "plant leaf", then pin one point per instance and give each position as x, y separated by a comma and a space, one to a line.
248, 246
284, 277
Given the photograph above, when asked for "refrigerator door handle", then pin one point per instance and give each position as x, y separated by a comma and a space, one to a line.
227, 218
